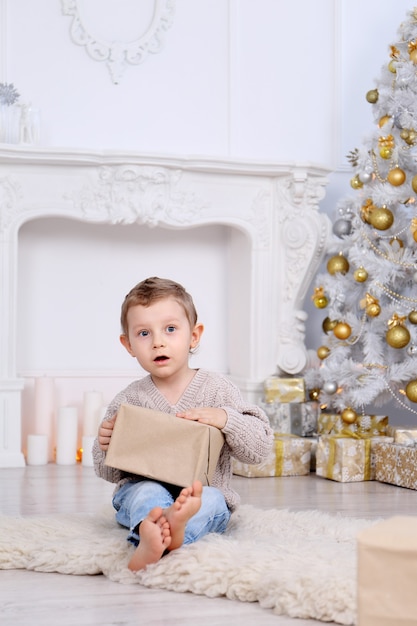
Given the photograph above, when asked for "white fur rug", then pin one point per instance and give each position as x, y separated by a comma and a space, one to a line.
301, 564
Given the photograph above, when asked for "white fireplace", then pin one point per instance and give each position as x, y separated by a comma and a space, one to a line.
276, 240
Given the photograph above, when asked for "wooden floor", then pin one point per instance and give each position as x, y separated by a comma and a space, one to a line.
39, 599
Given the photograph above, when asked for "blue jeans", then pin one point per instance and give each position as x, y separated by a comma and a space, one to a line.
134, 500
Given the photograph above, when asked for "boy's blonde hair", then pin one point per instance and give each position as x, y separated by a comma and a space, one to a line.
152, 289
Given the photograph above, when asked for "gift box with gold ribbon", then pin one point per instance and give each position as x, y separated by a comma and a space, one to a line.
284, 389
347, 457
402, 434
372, 425
290, 456
396, 464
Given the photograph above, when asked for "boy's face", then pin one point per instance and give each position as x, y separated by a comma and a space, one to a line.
160, 337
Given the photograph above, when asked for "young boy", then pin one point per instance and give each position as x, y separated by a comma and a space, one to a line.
160, 329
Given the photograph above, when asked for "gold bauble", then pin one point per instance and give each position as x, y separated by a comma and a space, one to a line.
415, 235
314, 394
337, 263
356, 183
328, 324
409, 135
385, 152
414, 184
397, 337
381, 218
320, 302
412, 135
372, 96
411, 391
360, 275
384, 119
323, 352
342, 330
396, 176
373, 310
391, 67
412, 317
349, 416
413, 56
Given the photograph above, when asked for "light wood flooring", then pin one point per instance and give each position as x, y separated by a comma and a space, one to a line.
40, 599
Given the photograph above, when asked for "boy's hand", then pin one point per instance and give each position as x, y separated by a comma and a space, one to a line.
105, 432
206, 415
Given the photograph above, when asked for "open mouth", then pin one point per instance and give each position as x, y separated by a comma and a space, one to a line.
161, 358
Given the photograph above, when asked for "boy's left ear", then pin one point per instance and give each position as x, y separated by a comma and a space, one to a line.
196, 335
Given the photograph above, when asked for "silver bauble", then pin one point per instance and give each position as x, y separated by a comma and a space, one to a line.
365, 177
412, 350
342, 227
415, 277
330, 387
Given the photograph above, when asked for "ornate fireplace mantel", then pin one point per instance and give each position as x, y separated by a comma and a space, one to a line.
274, 205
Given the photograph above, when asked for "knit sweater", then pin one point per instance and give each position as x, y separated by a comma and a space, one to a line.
248, 435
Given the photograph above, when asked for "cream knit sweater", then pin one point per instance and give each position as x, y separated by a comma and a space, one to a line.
248, 435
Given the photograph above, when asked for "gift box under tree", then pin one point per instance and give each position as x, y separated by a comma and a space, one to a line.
290, 456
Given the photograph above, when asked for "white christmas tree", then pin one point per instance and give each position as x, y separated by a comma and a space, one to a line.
368, 352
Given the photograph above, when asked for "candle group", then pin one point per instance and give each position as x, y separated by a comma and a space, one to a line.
57, 438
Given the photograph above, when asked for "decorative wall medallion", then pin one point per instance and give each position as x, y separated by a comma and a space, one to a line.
119, 54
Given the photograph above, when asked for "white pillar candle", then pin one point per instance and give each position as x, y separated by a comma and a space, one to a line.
44, 408
67, 435
87, 445
37, 450
93, 401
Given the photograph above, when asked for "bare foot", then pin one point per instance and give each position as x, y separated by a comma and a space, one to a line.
155, 538
185, 506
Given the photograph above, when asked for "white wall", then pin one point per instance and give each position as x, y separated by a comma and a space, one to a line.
267, 80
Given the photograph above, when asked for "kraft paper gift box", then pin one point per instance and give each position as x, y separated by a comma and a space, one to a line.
372, 425
402, 434
281, 389
347, 458
387, 573
163, 447
396, 464
290, 456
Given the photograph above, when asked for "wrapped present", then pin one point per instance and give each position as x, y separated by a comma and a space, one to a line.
314, 441
290, 456
347, 458
310, 412
402, 434
281, 389
387, 573
396, 464
163, 447
297, 418
372, 425
279, 415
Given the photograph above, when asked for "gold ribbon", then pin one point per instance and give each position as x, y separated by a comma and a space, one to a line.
396, 320
280, 451
368, 300
345, 434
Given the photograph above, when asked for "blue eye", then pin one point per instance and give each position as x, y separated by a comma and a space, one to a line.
170, 329
143, 333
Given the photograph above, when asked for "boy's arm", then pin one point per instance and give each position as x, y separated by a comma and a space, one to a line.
100, 448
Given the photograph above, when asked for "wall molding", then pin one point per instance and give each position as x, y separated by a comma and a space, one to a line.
118, 55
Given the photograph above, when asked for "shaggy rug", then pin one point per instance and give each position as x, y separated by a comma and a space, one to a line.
297, 563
